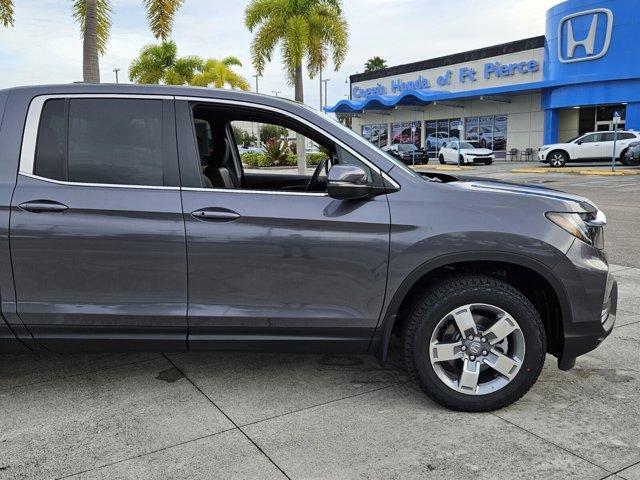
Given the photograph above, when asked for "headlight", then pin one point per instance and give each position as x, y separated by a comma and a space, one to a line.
543, 149
587, 226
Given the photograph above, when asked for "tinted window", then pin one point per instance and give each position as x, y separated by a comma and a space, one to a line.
606, 137
115, 141
626, 136
594, 137
51, 145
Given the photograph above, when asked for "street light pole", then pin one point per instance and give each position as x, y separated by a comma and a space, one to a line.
325, 81
116, 70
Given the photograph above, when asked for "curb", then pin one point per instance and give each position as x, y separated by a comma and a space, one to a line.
446, 168
578, 171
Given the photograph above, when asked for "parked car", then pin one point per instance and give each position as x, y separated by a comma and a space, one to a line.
408, 153
115, 238
465, 152
590, 147
632, 155
250, 150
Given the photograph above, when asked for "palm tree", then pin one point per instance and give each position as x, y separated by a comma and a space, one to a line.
160, 64
219, 73
307, 30
375, 63
94, 17
6, 13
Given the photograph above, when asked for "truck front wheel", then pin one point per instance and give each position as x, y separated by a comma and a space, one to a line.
474, 343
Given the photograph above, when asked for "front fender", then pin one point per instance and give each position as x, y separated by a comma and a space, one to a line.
379, 345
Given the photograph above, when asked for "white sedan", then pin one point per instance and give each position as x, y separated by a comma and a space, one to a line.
466, 152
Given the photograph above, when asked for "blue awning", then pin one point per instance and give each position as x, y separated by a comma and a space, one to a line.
425, 97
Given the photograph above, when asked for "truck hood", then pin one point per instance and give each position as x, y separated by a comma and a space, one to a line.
554, 200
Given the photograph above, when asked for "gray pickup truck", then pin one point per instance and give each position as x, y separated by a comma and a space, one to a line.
128, 221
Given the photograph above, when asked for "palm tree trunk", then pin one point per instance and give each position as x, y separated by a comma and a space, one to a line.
90, 65
301, 148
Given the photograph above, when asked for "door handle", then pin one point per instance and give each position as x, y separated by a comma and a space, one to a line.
215, 215
42, 206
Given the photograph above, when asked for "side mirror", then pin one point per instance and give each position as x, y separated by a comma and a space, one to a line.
350, 182
579, 142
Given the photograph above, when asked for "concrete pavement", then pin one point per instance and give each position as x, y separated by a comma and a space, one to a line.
244, 415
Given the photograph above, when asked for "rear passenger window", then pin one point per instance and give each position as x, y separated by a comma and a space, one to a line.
103, 141
115, 141
51, 146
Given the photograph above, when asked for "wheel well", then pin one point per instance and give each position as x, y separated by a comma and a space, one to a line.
530, 283
561, 151
622, 153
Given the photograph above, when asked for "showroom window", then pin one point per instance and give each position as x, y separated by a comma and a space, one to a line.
378, 134
407, 132
439, 132
490, 131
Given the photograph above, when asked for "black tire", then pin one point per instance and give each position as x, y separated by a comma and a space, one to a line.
460, 160
441, 158
629, 162
435, 303
557, 159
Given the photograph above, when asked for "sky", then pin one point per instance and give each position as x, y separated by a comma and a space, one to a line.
45, 45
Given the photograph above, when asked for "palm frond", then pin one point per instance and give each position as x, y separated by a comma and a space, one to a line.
161, 14
295, 43
231, 61
260, 11
103, 17
153, 62
264, 42
219, 74
6, 13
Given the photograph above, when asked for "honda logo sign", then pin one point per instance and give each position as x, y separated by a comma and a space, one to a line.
591, 46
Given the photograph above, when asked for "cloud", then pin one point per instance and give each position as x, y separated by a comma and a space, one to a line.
45, 46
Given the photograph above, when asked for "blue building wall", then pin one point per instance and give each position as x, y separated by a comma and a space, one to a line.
602, 68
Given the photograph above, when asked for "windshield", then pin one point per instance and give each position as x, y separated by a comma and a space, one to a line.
407, 147
571, 140
470, 145
388, 156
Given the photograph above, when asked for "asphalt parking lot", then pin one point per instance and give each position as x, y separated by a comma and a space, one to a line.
244, 415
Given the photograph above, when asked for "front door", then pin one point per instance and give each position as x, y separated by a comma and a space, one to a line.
271, 264
97, 236
588, 148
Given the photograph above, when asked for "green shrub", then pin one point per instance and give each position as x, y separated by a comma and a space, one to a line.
252, 159
276, 152
314, 159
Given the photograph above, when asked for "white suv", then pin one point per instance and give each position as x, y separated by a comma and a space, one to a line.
590, 147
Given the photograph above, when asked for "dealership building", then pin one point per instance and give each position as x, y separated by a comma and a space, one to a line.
518, 95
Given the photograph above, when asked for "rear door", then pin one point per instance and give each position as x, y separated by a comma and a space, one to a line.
97, 235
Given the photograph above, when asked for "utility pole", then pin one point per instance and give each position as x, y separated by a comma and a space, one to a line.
116, 70
325, 81
320, 89
256, 76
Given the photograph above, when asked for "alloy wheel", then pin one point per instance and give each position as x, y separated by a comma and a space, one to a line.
477, 349
557, 160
